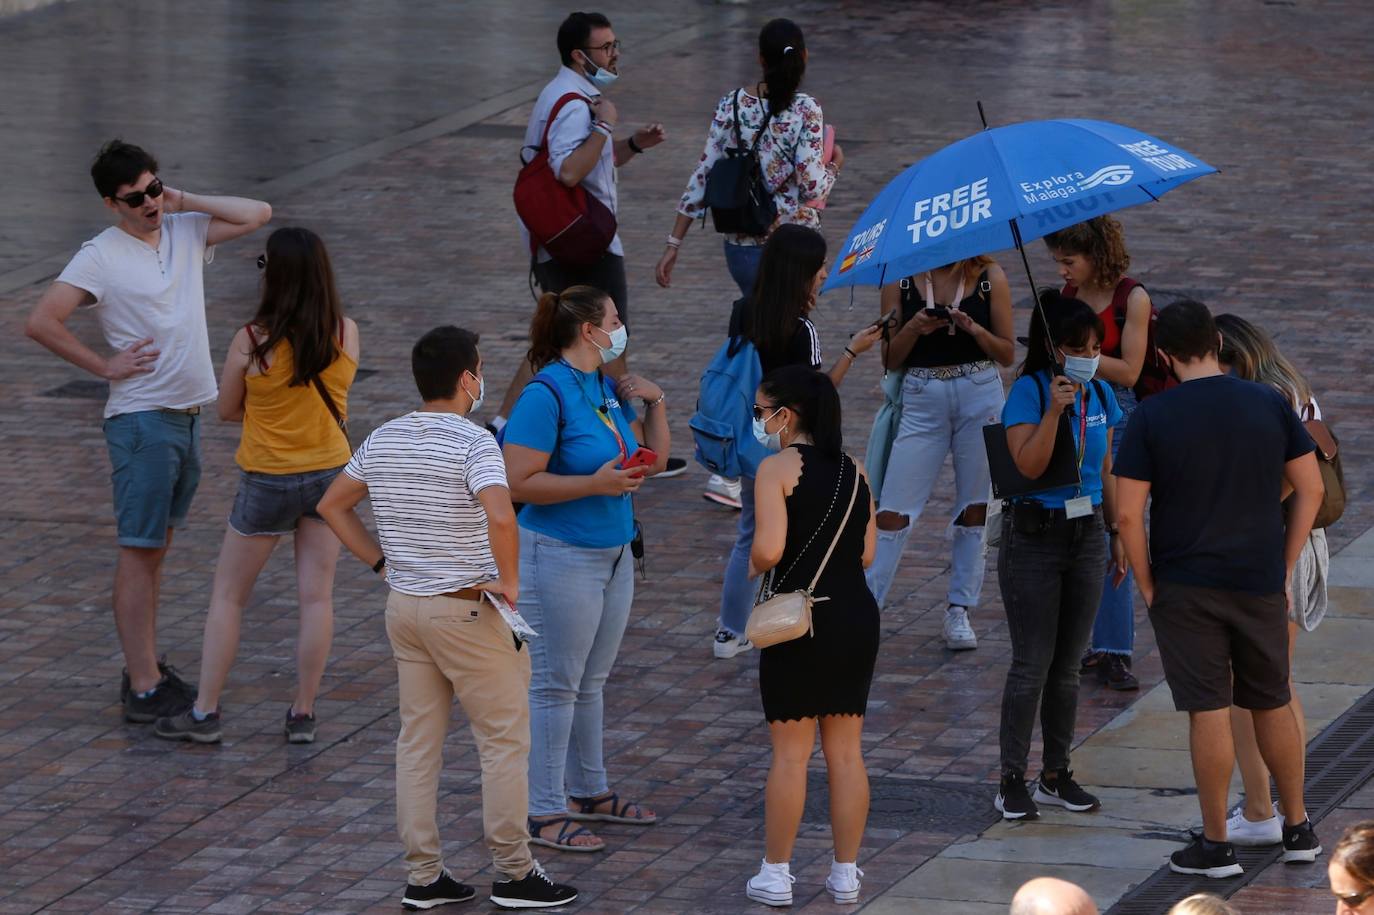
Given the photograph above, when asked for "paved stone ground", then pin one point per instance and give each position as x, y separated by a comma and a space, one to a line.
98, 815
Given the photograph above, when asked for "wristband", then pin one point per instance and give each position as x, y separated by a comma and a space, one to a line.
654, 403
379, 565
673, 241
850, 353
603, 130
634, 147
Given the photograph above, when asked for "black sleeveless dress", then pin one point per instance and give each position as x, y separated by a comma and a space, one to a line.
830, 673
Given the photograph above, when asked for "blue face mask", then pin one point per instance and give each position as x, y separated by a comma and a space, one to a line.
1080, 369
619, 337
770, 440
600, 76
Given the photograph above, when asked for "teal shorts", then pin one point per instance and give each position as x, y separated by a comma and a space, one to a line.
155, 469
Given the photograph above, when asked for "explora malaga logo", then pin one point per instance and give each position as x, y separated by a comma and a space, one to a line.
1112, 176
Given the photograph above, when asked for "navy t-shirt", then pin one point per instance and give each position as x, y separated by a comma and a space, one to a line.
1213, 451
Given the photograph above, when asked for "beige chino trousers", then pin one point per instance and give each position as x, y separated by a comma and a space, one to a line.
446, 647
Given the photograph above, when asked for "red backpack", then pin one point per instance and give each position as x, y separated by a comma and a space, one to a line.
568, 222
1154, 374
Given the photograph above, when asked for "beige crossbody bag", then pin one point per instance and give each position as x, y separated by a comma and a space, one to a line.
784, 617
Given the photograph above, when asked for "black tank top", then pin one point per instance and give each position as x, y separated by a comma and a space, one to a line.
942, 348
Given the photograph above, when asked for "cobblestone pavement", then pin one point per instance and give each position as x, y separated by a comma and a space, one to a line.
393, 134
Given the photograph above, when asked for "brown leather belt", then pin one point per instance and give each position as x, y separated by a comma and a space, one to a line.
464, 594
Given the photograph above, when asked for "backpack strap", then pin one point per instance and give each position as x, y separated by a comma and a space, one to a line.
544, 378
553, 115
1120, 297
1101, 394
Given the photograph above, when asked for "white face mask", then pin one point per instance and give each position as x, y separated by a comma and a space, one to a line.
481, 395
770, 440
619, 337
1080, 369
599, 76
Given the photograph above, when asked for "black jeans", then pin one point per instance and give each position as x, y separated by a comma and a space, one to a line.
1051, 584
607, 274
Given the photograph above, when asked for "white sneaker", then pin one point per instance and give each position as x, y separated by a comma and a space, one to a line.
843, 882
772, 885
1240, 831
958, 633
723, 492
727, 644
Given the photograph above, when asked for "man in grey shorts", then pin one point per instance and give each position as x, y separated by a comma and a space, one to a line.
1215, 455
142, 278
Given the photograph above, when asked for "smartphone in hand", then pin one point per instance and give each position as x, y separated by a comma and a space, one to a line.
643, 457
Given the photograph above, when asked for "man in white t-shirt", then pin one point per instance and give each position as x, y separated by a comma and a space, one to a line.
583, 150
142, 279
447, 534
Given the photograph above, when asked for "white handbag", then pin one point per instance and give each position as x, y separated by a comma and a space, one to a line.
783, 617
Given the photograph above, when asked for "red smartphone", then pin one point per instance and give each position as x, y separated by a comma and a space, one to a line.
643, 457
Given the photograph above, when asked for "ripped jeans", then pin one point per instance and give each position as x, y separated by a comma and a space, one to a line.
939, 417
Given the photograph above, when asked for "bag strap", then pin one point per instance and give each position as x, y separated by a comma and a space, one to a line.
553, 113
844, 522
739, 138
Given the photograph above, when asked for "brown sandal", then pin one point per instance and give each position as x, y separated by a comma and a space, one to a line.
586, 810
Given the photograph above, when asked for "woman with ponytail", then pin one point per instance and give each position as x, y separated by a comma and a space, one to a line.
566, 445
791, 152
286, 378
819, 682
1093, 261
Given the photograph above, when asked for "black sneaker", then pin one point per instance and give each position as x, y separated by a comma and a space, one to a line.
1114, 670
1013, 800
676, 467
533, 891
441, 892
299, 728
185, 726
1063, 791
1090, 661
164, 702
1300, 844
1207, 859
169, 674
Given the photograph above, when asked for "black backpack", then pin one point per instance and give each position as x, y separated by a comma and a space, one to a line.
736, 194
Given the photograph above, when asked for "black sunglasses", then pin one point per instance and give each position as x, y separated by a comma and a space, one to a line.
1354, 900
154, 190
760, 411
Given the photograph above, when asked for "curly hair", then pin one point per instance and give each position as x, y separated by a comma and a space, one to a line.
1102, 241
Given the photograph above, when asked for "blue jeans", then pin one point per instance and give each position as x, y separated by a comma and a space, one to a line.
578, 600
743, 263
1114, 628
737, 590
155, 469
939, 417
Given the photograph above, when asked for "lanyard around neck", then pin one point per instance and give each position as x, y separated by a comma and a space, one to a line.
602, 412
953, 306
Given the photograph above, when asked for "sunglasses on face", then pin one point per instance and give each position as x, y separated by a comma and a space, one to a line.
1354, 900
154, 190
765, 413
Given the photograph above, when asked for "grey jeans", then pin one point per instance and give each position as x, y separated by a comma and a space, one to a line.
1051, 582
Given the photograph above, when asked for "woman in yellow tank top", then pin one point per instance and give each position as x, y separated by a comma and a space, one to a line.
286, 377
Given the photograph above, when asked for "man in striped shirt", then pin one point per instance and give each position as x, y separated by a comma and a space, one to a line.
447, 534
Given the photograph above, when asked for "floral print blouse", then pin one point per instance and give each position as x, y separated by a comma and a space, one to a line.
789, 153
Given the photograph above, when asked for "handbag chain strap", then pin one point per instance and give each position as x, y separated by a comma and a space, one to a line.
844, 522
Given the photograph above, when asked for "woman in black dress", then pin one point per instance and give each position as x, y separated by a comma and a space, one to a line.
800, 498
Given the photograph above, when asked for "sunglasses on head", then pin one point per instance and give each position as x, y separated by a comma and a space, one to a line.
154, 190
1354, 900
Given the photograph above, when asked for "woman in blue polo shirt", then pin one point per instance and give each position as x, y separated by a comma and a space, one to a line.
564, 444
1054, 549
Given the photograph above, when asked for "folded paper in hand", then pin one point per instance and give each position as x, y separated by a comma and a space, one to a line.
513, 619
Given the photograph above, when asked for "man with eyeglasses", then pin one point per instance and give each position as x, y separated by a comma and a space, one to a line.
583, 149
143, 279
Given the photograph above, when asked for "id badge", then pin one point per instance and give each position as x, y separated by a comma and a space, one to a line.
1080, 507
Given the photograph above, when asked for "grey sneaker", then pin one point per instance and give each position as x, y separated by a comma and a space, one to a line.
299, 728
723, 492
958, 633
184, 726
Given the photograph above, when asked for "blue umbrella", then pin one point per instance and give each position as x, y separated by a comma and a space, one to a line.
1001, 187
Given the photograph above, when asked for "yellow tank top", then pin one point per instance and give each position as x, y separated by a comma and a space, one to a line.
288, 429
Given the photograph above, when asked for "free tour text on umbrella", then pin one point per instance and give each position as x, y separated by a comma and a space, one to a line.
962, 206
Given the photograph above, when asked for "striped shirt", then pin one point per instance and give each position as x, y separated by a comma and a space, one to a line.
423, 472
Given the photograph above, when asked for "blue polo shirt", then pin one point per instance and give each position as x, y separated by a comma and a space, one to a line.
1026, 402
579, 448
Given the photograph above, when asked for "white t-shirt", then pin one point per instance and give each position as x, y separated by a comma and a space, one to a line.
571, 129
423, 472
143, 292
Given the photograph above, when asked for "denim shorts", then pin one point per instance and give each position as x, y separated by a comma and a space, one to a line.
274, 503
155, 469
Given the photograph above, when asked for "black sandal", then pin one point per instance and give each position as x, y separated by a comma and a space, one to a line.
563, 841
587, 810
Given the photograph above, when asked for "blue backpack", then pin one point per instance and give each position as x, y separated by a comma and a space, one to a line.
723, 425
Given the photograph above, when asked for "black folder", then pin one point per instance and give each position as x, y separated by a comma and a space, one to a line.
1008, 482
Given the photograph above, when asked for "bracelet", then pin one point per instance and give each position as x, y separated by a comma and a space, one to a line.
673, 241
850, 353
379, 565
634, 147
654, 403
603, 129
